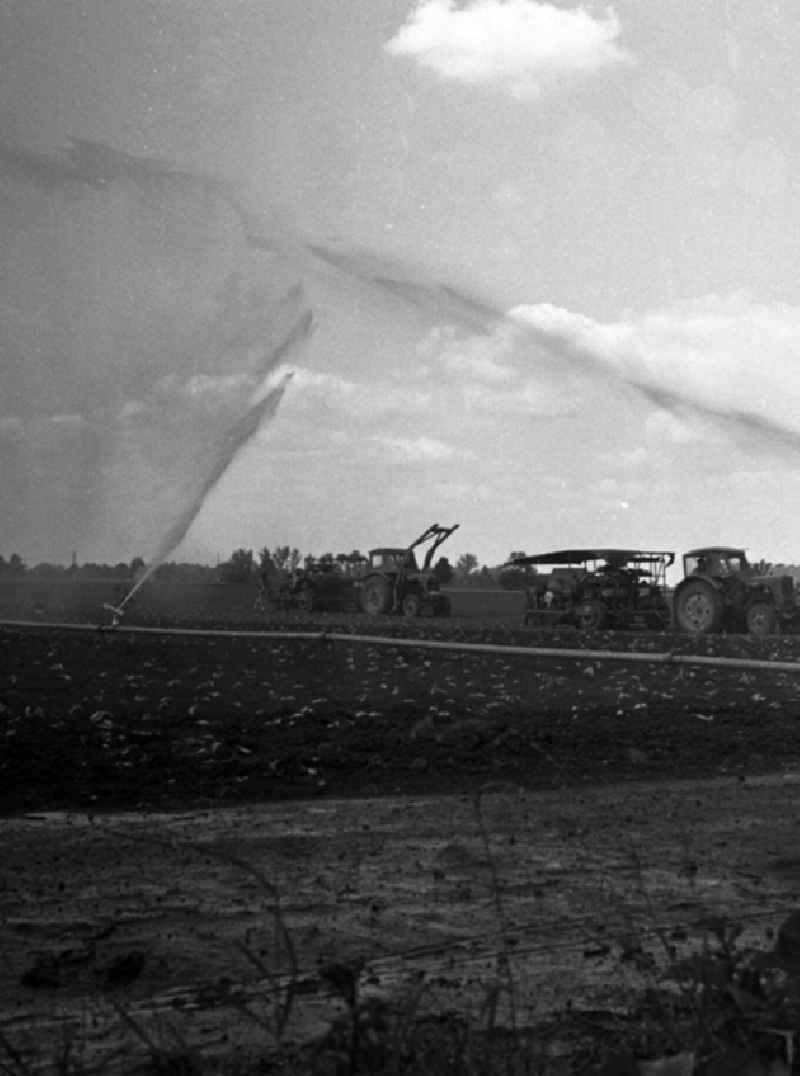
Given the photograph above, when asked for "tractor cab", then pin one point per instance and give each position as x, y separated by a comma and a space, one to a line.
392, 560
718, 562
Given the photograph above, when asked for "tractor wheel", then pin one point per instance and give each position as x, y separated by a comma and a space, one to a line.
411, 603
698, 607
761, 619
376, 595
591, 616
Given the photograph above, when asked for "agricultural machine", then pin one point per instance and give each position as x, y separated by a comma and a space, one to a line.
394, 582
720, 591
323, 584
389, 580
592, 589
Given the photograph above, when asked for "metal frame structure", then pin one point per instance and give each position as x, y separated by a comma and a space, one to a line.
596, 588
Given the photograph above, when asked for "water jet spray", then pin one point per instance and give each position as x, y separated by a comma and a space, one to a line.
228, 449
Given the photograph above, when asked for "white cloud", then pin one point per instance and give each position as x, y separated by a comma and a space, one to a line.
615, 488
467, 357
213, 385
662, 426
626, 460
718, 359
469, 492
424, 449
530, 397
520, 46
486, 376
318, 391
73, 418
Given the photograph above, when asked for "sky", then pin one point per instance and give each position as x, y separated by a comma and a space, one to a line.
532, 268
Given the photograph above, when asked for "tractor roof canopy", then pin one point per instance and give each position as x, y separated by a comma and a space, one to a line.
716, 550
609, 556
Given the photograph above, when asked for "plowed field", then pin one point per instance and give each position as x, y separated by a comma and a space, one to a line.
438, 819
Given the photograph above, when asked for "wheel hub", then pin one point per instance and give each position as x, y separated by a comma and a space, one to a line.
699, 611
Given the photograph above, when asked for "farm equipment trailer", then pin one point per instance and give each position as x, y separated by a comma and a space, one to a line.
593, 589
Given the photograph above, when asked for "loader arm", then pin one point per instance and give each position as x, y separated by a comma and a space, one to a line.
440, 534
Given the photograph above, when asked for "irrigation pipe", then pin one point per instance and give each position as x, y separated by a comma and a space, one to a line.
579, 654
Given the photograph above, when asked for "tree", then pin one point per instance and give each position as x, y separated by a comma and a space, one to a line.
48, 571
15, 565
286, 558
94, 570
239, 568
516, 576
465, 566
443, 570
352, 564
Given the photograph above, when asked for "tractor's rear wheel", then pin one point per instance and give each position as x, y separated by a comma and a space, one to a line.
698, 607
761, 619
376, 595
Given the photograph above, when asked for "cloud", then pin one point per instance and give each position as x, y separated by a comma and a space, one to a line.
462, 492
318, 392
467, 358
721, 364
663, 427
717, 369
726, 362
533, 396
424, 449
521, 46
626, 460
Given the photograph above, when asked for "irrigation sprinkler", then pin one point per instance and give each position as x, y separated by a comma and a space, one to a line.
117, 612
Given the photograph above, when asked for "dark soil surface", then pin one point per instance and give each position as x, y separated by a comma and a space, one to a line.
147, 896
113, 719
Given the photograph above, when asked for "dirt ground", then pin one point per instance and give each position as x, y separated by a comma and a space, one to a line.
99, 720
195, 828
123, 926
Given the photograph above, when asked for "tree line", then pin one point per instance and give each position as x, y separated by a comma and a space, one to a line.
243, 566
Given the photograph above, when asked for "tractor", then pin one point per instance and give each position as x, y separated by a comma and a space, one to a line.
720, 591
393, 582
